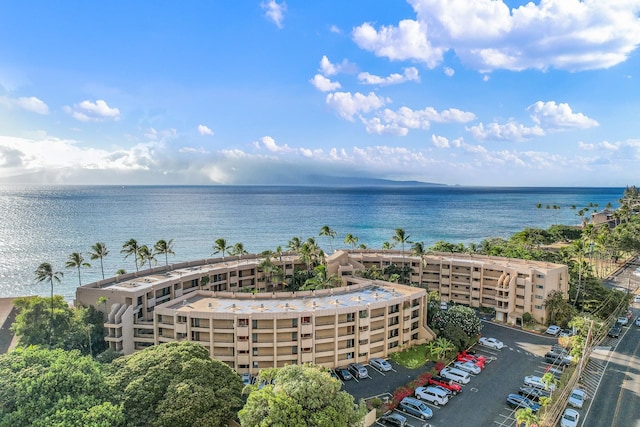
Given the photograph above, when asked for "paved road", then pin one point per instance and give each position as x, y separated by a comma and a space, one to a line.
625, 278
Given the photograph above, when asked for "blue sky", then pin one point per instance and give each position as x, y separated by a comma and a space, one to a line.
482, 92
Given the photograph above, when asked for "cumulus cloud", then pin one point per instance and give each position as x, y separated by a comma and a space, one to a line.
324, 84
347, 104
269, 144
327, 68
409, 74
510, 131
449, 72
399, 122
554, 117
88, 111
440, 141
204, 130
31, 103
275, 11
488, 35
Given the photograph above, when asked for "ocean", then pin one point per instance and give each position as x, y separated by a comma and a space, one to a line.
46, 224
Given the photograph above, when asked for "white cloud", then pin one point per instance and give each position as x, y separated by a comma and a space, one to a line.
440, 141
407, 41
153, 134
510, 131
324, 84
204, 130
270, 144
400, 121
88, 111
410, 74
335, 29
275, 11
554, 117
449, 72
347, 105
31, 104
329, 69
488, 35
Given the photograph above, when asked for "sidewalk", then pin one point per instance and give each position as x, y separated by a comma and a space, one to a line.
7, 316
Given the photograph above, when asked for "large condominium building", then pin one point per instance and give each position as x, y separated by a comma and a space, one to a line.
240, 313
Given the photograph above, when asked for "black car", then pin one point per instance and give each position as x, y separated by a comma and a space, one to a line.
556, 359
393, 419
533, 393
344, 374
615, 331
518, 401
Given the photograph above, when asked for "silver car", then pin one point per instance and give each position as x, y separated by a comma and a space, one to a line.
380, 364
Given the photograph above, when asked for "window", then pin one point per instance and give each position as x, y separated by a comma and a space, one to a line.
350, 317
363, 314
254, 337
294, 336
393, 344
305, 320
294, 323
182, 319
195, 322
254, 324
243, 338
243, 322
538, 307
539, 297
393, 320
350, 330
255, 365
393, 333
255, 351
350, 343
294, 349
540, 286
394, 308
195, 336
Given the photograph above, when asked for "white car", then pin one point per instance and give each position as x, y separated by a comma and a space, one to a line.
553, 330
623, 320
467, 367
577, 398
636, 298
491, 342
533, 381
380, 364
638, 321
569, 418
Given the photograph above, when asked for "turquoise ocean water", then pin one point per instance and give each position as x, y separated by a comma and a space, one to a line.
41, 224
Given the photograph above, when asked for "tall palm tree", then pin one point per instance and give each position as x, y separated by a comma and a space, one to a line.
76, 260
350, 239
131, 248
220, 245
526, 416
327, 231
145, 255
402, 238
45, 272
99, 251
294, 244
163, 247
237, 250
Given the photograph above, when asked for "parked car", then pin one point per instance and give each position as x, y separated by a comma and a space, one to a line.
566, 333
518, 401
415, 407
577, 398
557, 359
534, 381
570, 418
380, 364
456, 375
533, 393
491, 342
472, 356
343, 373
433, 395
638, 321
451, 385
615, 331
471, 359
393, 419
636, 298
467, 367
623, 321
553, 330
247, 379
358, 370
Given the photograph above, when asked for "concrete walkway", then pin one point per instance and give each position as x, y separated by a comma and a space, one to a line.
7, 317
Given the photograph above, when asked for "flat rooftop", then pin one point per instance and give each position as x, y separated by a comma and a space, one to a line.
343, 297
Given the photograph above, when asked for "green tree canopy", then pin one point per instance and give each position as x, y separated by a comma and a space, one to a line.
40, 387
176, 384
300, 396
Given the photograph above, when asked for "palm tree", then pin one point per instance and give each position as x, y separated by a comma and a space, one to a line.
237, 250
387, 246
320, 279
163, 247
76, 260
131, 248
220, 245
45, 272
350, 239
402, 238
145, 255
326, 231
294, 244
526, 416
440, 347
99, 251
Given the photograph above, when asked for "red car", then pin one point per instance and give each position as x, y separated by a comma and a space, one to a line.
446, 383
478, 361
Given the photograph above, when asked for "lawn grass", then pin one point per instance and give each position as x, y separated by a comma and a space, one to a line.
411, 358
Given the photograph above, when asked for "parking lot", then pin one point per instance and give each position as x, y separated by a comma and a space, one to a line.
483, 400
